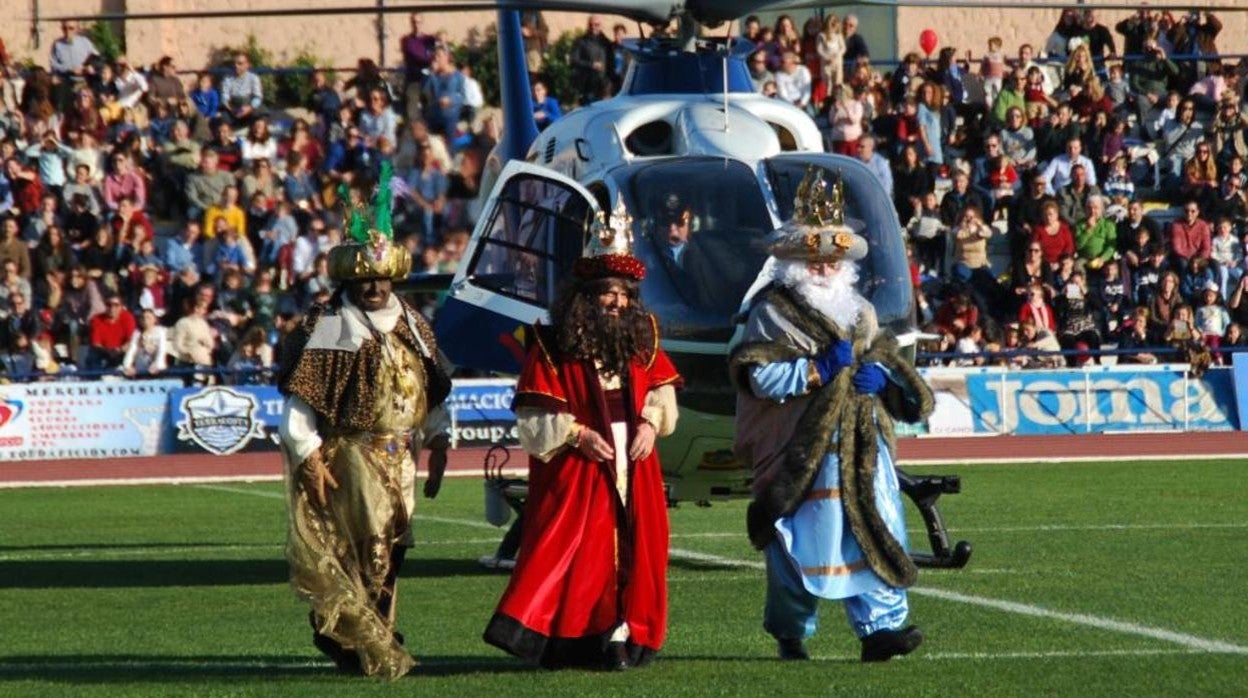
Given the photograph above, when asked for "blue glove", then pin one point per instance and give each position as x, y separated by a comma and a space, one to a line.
833, 359
870, 379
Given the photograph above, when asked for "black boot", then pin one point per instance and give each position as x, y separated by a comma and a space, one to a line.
617, 656
347, 661
883, 645
791, 649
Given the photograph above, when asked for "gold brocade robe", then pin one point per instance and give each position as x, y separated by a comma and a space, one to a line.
341, 555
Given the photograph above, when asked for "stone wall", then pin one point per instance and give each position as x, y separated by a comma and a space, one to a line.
341, 40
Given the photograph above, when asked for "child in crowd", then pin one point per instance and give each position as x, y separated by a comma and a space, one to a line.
1229, 255
1002, 181
205, 97
1212, 319
1112, 296
993, 68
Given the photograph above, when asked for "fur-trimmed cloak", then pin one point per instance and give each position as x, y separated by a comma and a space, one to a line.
786, 442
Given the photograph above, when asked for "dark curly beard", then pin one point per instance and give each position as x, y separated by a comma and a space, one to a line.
586, 333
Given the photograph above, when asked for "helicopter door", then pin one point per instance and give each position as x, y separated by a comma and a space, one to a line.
532, 228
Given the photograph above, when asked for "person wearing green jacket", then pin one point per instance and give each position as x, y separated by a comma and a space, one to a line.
1096, 237
1011, 96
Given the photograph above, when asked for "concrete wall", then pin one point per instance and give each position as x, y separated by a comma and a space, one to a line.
341, 40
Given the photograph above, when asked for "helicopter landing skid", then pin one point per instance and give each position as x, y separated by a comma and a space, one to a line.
924, 491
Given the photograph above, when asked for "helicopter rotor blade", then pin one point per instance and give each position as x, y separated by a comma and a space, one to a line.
651, 11
1004, 5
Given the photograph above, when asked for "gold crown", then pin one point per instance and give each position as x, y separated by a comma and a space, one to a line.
377, 259
814, 206
611, 234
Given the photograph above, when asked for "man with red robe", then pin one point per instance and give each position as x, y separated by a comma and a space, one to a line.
590, 585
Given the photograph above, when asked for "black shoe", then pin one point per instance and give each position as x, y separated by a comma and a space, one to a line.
398, 637
883, 645
617, 657
791, 649
348, 662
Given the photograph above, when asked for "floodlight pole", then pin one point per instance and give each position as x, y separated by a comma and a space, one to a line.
381, 33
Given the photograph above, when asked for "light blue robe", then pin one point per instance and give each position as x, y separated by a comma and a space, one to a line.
815, 555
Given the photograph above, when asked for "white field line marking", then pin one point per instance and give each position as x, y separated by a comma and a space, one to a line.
1094, 527
200, 479
1057, 654
123, 552
1192, 642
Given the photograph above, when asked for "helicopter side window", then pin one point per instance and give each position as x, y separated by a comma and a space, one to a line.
535, 234
699, 224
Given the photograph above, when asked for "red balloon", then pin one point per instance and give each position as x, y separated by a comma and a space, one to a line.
928, 41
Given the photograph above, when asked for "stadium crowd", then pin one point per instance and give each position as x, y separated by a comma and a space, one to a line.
1067, 197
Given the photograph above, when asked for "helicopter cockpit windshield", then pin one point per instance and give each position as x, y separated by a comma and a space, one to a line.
698, 226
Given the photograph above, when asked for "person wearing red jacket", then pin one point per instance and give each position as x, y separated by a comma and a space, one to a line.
109, 334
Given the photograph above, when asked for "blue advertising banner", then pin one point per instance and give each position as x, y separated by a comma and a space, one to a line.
97, 419
1239, 371
481, 412
225, 419
1099, 400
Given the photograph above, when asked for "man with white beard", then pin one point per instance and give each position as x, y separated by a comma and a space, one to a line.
818, 387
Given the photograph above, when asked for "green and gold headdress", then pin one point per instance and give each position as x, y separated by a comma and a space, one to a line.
369, 251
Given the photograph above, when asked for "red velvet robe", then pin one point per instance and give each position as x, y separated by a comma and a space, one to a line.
573, 584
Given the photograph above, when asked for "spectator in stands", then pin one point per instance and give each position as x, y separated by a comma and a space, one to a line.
258, 144
1135, 336
242, 94
1096, 237
590, 61
429, 186
130, 84
1190, 237
24, 184
205, 97
1072, 199
378, 120
125, 181
1230, 132
1053, 235
186, 251
192, 341
418, 57
930, 133
164, 83
251, 358
227, 209
546, 109
855, 46
1163, 303
148, 348
1027, 271
875, 162
130, 225
1077, 327
1179, 139
759, 74
958, 199
970, 256
1228, 255
446, 90
1058, 173
53, 255
12, 285
794, 82
12, 248
1195, 33
927, 233
911, 181
109, 335
70, 58
1200, 177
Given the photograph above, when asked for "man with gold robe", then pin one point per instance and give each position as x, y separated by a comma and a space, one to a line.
364, 393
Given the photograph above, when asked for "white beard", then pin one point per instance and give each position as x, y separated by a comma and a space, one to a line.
833, 296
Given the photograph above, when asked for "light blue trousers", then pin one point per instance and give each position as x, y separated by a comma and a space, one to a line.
791, 611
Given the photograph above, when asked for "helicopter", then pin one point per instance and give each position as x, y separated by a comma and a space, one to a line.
686, 132
685, 129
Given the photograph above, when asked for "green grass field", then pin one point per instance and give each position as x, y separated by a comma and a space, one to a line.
1110, 579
